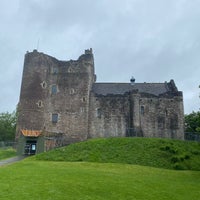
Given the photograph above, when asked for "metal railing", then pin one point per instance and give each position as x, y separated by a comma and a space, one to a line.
192, 136
8, 144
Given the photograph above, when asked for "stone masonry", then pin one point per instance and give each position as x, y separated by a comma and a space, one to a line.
62, 101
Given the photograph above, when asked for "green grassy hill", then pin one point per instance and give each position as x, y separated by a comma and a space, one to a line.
154, 152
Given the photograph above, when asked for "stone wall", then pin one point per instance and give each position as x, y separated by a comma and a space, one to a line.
71, 102
109, 115
162, 117
135, 114
32, 105
59, 88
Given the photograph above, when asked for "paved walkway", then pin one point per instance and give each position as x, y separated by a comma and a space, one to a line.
11, 160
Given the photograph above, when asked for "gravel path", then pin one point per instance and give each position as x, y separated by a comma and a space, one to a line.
11, 160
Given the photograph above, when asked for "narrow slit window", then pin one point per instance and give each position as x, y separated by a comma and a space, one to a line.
99, 112
84, 99
142, 110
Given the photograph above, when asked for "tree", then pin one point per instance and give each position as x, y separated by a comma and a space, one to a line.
192, 122
7, 126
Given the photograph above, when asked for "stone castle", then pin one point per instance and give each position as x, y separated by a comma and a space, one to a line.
61, 103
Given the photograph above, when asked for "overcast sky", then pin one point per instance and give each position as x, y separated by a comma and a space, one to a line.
152, 40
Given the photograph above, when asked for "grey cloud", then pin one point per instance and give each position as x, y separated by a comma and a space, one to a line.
152, 40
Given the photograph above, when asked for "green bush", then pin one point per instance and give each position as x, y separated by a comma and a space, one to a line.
179, 166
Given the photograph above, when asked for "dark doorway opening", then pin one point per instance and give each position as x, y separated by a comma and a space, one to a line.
30, 147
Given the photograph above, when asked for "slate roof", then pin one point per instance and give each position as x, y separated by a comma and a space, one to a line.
121, 88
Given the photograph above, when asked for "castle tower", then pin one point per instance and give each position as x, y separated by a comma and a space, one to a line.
54, 101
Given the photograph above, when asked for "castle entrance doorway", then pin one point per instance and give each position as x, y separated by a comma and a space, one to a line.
30, 147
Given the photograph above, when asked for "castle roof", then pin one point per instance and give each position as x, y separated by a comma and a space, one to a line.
121, 88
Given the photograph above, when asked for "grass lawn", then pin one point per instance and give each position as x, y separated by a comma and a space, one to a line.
44, 180
7, 153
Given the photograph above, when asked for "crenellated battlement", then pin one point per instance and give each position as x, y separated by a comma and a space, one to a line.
88, 51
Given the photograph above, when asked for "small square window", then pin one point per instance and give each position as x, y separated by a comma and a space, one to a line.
54, 118
55, 70
53, 89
